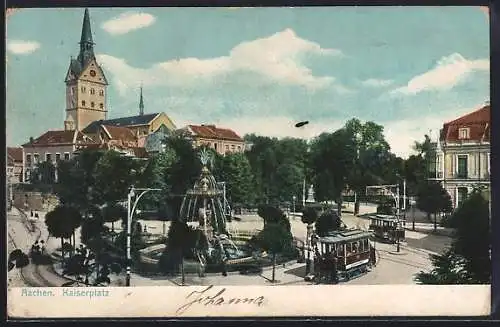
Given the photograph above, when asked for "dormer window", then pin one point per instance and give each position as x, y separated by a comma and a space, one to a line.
463, 133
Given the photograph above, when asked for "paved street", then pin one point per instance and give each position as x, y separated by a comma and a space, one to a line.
392, 268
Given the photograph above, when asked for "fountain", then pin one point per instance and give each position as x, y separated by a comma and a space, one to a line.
202, 209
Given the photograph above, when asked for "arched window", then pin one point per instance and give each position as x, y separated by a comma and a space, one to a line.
101, 92
92, 104
92, 91
83, 103
101, 105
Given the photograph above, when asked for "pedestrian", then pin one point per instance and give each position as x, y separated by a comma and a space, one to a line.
43, 247
31, 213
36, 215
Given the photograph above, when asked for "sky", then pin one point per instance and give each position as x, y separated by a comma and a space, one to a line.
258, 70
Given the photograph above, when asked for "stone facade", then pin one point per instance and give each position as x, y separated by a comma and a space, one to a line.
463, 155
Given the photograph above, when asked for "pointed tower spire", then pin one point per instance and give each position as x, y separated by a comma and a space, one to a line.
141, 104
86, 42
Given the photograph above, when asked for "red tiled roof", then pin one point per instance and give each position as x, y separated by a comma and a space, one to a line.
477, 121
120, 133
61, 137
15, 154
213, 132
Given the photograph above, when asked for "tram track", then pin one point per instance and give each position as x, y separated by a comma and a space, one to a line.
32, 275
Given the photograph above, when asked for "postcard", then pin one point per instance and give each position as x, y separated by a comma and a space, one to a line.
236, 162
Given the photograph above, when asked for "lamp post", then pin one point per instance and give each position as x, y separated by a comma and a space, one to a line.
130, 213
308, 240
293, 204
397, 219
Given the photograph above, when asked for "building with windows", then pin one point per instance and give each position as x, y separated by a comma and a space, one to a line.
14, 165
52, 146
463, 155
222, 140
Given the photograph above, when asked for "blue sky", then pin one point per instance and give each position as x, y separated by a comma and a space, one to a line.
258, 69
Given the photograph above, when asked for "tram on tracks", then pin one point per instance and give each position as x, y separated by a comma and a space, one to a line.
387, 228
342, 255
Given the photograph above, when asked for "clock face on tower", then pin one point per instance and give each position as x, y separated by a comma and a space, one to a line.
92, 73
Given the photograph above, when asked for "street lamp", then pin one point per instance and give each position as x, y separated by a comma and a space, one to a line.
130, 214
300, 125
293, 204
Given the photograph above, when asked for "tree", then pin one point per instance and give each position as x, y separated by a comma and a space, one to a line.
327, 222
432, 198
181, 241
275, 238
158, 175
113, 212
44, 173
468, 260
76, 181
237, 173
62, 222
113, 174
472, 238
273, 215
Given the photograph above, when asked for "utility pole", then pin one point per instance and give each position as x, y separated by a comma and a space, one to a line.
130, 213
397, 219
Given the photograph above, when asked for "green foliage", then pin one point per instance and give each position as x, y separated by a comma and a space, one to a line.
432, 198
309, 215
273, 215
275, 238
468, 261
76, 180
472, 239
448, 270
112, 176
327, 222
113, 212
235, 170
62, 221
44, 173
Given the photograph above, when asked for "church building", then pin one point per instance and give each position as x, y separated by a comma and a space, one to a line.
86, 123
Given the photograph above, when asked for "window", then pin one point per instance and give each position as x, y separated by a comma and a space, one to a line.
227, 148
58, 157
462, 166
101, 93
83, 103
48, 157
83, 89
232, 147
92, 91
239, 147
28, 160
215, 146
92, 104
35, 158
463, 133
66, 155
101, 105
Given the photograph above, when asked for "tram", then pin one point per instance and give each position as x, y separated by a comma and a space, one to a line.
342, 255
387, 228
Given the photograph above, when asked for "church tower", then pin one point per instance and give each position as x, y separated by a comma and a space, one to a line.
85, 84
141, 104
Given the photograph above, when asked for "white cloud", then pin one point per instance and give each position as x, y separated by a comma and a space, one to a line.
448, 72
402, 134
22, 47
373, 82
127, 22
277, 58
275, 126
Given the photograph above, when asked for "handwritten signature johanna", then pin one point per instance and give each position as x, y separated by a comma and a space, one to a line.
216, 298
